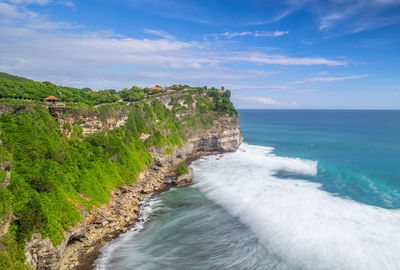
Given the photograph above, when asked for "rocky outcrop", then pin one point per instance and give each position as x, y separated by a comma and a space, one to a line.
91, 121
80, 245
6, 108
94, 121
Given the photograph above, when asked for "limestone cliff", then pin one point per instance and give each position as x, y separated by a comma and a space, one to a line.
106, 222
95, 121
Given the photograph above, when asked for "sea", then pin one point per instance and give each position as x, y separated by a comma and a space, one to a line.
307, 189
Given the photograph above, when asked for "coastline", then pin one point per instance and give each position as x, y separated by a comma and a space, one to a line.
81, 244
82, 257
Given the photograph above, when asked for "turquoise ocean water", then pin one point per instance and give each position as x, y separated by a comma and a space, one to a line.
308, 189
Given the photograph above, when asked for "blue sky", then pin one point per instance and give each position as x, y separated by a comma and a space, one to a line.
341, 54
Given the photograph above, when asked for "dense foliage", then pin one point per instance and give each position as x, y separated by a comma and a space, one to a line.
222, 101
21, 88
14, 89
182, 168
52, 177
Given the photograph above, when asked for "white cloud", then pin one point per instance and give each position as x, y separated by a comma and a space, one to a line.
246, 86
294, 86
286, 60
92, 49
354, 16
277, 18
20, 15
67, 4
9, 12
330, 79
264, 100
159, 33
252, 34
52, 26
341, 16
331, 19
222, 75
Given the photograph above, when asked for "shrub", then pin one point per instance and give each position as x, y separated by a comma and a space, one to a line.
182, 168
168, 151
67, 126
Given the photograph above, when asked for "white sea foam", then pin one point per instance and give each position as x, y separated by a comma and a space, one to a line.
294, 218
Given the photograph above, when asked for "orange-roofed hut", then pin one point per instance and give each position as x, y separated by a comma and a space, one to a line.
51, 99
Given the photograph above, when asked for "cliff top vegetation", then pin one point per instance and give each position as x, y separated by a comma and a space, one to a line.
19, 90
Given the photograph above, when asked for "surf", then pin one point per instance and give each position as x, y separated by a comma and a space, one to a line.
296, 219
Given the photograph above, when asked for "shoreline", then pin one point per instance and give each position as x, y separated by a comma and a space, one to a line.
81, 255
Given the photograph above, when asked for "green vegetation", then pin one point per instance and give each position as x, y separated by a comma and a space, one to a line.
53, 176
182, 168
222, 101
135, 93
180, 87
168, 151
22, 91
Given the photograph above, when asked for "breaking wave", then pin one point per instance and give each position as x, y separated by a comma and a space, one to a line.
295, 219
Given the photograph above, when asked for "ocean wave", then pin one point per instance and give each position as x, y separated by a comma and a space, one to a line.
295, 219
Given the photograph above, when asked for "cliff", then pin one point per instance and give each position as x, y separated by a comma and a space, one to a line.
107, 221
84, 171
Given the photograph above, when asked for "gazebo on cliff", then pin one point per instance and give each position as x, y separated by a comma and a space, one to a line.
51, 99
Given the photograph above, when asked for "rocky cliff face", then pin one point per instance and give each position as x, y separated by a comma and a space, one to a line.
92, 121
106, 222
89, 120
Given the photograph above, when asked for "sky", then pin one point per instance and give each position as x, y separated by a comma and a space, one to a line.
288, 54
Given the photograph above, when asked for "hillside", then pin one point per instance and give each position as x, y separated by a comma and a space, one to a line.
59, 162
